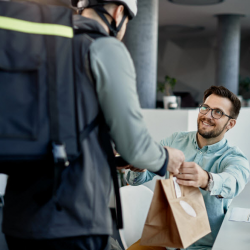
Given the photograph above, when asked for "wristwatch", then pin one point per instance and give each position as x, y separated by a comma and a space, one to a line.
210, 183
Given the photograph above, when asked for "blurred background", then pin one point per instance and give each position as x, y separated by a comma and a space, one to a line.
197, 42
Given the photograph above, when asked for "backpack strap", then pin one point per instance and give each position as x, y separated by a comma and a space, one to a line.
107, 147
104, 136
57, 147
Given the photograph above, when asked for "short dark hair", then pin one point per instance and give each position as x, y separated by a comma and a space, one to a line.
224, 92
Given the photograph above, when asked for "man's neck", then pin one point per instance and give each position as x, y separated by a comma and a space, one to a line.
90, 13
205, 142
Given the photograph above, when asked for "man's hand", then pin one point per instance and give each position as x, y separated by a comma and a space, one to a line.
191, 174
176, 159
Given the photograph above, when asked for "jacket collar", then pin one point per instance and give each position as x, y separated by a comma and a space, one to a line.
87, 24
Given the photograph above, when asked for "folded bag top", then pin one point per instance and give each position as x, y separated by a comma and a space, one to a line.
177, 216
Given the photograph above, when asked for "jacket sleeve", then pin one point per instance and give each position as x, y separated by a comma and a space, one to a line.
138, 178
234, 177
115, 79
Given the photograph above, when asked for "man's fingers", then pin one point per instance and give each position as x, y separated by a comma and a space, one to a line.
187, 170
186, 183
188, 167
183, 176
187, 164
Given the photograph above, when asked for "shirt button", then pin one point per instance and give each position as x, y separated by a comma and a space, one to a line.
200, 152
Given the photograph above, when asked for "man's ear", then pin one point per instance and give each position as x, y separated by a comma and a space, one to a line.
231, 124
118, 14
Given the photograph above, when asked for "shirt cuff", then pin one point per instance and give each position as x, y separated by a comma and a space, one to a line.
163, 169
218, 185
135, 178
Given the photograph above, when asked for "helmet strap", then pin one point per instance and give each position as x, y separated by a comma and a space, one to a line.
113, 30
122, 21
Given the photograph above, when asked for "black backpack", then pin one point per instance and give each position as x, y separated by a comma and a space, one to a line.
38, 106
37, 116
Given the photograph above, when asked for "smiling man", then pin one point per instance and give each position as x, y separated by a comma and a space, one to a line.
218, 169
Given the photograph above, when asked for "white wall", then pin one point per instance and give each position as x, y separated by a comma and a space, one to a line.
162, 123
240, 134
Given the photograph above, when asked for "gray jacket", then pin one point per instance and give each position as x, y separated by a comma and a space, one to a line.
85, 186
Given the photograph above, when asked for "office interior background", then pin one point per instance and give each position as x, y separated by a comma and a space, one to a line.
198, 42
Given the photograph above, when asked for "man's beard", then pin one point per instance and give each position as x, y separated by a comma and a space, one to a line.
212, 133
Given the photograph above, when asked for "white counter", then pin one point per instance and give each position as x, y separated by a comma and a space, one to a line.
234, 235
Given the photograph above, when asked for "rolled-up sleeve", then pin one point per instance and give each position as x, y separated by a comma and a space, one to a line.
115, 77
138, 178
233, 179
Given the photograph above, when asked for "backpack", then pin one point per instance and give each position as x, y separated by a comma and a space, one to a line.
38, 101
34, 125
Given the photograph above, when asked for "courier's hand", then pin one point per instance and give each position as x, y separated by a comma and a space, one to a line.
191, 174
176, 159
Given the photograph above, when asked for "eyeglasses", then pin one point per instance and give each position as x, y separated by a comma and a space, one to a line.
216, 113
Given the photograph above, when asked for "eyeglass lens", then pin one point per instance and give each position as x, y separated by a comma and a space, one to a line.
216, 113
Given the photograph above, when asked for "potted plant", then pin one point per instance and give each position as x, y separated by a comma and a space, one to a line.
166, 87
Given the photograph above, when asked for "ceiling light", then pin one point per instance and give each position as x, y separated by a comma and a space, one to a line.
196, 2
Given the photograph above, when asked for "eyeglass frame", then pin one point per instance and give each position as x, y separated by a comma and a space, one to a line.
230, 117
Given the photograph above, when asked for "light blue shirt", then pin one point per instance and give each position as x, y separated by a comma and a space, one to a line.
230, 170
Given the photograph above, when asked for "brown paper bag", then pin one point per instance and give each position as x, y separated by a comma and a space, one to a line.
168, 224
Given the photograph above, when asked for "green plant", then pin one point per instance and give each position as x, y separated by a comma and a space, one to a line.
167, 86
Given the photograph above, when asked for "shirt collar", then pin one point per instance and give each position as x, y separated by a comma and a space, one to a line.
209, 148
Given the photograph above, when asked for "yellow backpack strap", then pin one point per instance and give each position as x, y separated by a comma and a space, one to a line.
14, 24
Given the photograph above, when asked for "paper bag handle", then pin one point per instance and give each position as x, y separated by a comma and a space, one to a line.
171, 175
176, 189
